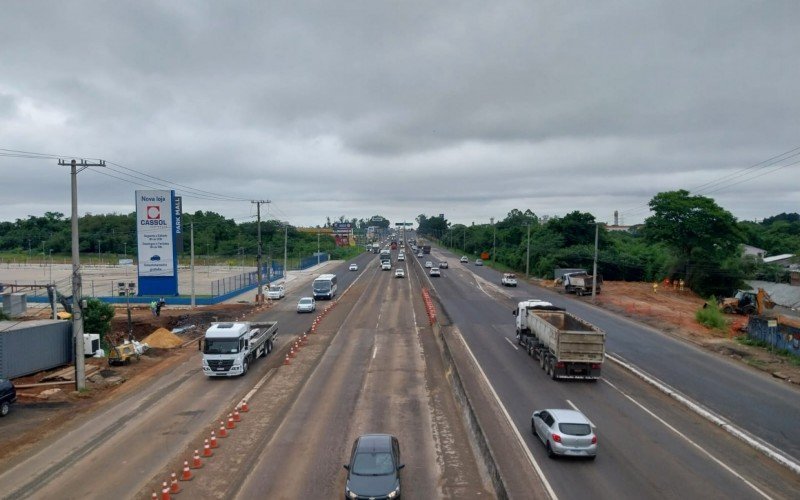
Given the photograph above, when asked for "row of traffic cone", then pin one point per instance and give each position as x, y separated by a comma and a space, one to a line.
301, 342
173, 486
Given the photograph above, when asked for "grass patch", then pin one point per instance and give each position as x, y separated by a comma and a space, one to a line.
711, 316
787, 355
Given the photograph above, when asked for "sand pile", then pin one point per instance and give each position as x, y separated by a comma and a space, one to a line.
162, 339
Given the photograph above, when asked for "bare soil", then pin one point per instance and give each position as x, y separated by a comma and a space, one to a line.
673, 311
34, 418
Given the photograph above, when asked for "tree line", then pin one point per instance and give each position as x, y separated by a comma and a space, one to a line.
686, 237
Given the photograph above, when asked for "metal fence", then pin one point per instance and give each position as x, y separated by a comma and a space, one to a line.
244, 281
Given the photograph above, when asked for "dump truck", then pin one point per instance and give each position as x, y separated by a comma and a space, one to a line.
565, 345
229, 348
579, 283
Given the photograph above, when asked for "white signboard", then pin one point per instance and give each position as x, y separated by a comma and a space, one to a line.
154, 229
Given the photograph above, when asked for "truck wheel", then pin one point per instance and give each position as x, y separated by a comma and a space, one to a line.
541, 360
269, 346
245, 366
4, 408
552, 369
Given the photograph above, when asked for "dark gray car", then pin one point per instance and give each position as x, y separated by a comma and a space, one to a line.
374, 468
8, 395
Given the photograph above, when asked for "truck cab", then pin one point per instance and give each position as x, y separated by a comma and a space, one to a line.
229, 348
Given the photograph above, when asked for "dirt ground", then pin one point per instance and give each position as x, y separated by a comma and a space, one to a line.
672, 311
36, 415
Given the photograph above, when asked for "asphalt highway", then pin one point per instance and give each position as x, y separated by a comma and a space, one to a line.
649, 445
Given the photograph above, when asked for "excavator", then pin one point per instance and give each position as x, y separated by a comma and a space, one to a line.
747, 302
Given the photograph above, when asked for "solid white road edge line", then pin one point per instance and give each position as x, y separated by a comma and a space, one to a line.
521, 441
258, 385
688, 440
708, 415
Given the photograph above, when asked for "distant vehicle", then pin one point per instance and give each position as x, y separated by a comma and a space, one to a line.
565, 432
276, 292
579, 283
401, 256
306, 305
386, 265
324, 287
435, 272
443, 264
420, 254
354, 267
399, 273
478, 262
428, 264
8, 396
509, 279
464, 260
426, 249
230, 347
393, 245
386, 254
374, 468
565, 345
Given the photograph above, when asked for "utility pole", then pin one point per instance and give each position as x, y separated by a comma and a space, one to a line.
317, 247
528, 254
594, 269
260, 296
494, 239
285, 248
191, 261
77, 302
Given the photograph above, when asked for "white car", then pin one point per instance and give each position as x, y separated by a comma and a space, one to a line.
420, 254
401, 256
276, 292
386, 265
565, 432
509, 279
478, 262
464, 259
435, 272
306, 305
428, 264
354, 267
399, 273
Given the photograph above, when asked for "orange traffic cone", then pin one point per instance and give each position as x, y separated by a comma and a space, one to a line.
236, 416
207, 452
304, 340
196, 462
164, 491
213, 441
244, 407
154, 496
287, 361
187, 472
223, 432
231, 423
174, 487
292, 353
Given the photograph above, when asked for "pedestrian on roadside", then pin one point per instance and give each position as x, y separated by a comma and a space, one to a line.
153, 306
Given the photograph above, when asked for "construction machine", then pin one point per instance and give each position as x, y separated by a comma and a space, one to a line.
747, 302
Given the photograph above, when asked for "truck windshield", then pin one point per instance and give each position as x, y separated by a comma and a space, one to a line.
221, 346
323, 286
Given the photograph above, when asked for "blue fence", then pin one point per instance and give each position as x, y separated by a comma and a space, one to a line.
778, 337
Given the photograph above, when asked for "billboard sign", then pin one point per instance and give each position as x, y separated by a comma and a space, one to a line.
155, 226
178, 209
343, 228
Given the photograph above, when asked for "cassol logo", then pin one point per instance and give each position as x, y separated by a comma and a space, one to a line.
153, 212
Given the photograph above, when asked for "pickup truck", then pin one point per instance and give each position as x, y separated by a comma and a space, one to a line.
229, 348
276, 292
509, 279
8, 395
566, 346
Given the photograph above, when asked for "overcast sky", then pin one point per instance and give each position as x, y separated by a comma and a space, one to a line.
356, 108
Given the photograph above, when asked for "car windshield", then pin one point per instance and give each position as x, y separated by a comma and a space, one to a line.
221, 346
373, 464
575, 429
305, 302
275, 288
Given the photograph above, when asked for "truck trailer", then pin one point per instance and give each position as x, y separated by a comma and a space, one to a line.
229, 348
565, 345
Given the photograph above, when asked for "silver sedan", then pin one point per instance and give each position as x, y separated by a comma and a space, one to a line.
565, 433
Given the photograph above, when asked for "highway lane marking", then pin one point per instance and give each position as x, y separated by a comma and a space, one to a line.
512, 343
258, 385
706, 414
689, 440
374, 351
517, 434
578, 410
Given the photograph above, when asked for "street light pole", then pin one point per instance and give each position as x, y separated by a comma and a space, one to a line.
77, 306
317, 248
285, 248
528, 254
594, 269
494, 240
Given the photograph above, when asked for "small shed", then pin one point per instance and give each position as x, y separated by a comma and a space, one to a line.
31, 346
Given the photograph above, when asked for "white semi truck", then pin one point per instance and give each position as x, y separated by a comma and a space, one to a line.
229, 348
565, 345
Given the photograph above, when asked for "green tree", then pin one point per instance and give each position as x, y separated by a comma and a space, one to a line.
97, 317
704, 238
